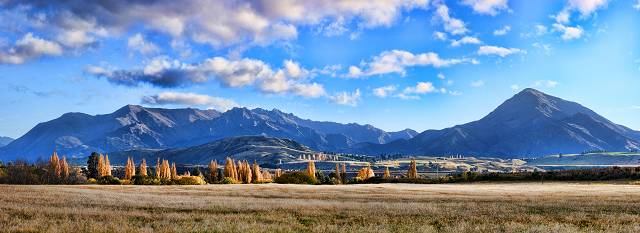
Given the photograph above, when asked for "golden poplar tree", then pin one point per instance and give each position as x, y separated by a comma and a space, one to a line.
213, 171
143, 167
174, 171
158, 168
311, 169
54, 165
365, 173
101, 168
266, 176
228, 168
277, 173
338, 176
107, 165
129, 169
257, 174
413, 170
165, 170
64, 167
387, 173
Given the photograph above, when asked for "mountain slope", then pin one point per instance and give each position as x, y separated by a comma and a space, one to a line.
259, 148
5, 141
133, 127
529, 124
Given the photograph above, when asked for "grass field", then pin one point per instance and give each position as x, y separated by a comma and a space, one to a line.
519, 207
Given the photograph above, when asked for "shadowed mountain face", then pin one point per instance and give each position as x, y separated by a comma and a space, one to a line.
251, 148
529, 124
133, 127
5, 141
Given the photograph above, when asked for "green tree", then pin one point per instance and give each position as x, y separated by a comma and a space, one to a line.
92, 165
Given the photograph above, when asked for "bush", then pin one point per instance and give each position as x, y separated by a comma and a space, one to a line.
108, 180
144, 180
229, 180
295, 178
189, 180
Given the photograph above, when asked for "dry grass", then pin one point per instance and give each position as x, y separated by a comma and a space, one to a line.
522, 207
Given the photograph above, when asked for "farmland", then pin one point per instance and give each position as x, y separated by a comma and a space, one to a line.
480, 207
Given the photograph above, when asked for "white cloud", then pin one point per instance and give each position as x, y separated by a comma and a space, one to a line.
139, 44
499, 51
569, 33
563, 17
465, 40
487, 7
29, 47
546, 48
345, 98
477, 83
637, 5
385, 91
396, 61
189, 99
450, 24
502, 31
420, 88
515, 87
586, 7
440, 36
441, 76
162, 72
218, 23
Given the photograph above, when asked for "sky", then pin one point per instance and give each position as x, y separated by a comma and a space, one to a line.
419, 64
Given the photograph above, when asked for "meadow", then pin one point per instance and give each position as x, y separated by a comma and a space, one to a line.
478, 207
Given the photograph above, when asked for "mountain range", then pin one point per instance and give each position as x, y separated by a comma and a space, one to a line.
137, 127
530, 124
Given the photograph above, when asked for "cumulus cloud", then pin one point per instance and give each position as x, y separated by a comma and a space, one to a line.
346, 98
218, 23
637, 5
465, 40
396, 61
498, 51
451, 25
502, 31
440, 36
29, 47
569, 33
420, 88
586, 7
487, 7
139, 44
162, 72
385, 91
189, 99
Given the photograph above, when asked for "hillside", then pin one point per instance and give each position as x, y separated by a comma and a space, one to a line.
251, 148
530, 124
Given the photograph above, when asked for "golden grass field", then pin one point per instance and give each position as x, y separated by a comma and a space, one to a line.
505, 207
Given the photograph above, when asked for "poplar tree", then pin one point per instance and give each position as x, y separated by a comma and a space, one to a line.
230, 169
387, 173
365, 173
338, 176
311, 169
158, 168
344, 173
143, 167
129, 169
101, 168
165, 170
257, 175
107, 165
213, 171
277, 173
174, 171
412, 173
54, 165
64, 166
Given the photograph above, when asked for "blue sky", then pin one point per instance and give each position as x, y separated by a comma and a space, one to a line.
393, 64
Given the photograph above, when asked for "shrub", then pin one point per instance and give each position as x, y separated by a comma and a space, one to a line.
295, 178
145, 180
229, 180
92, 181
189, 180
109, 180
